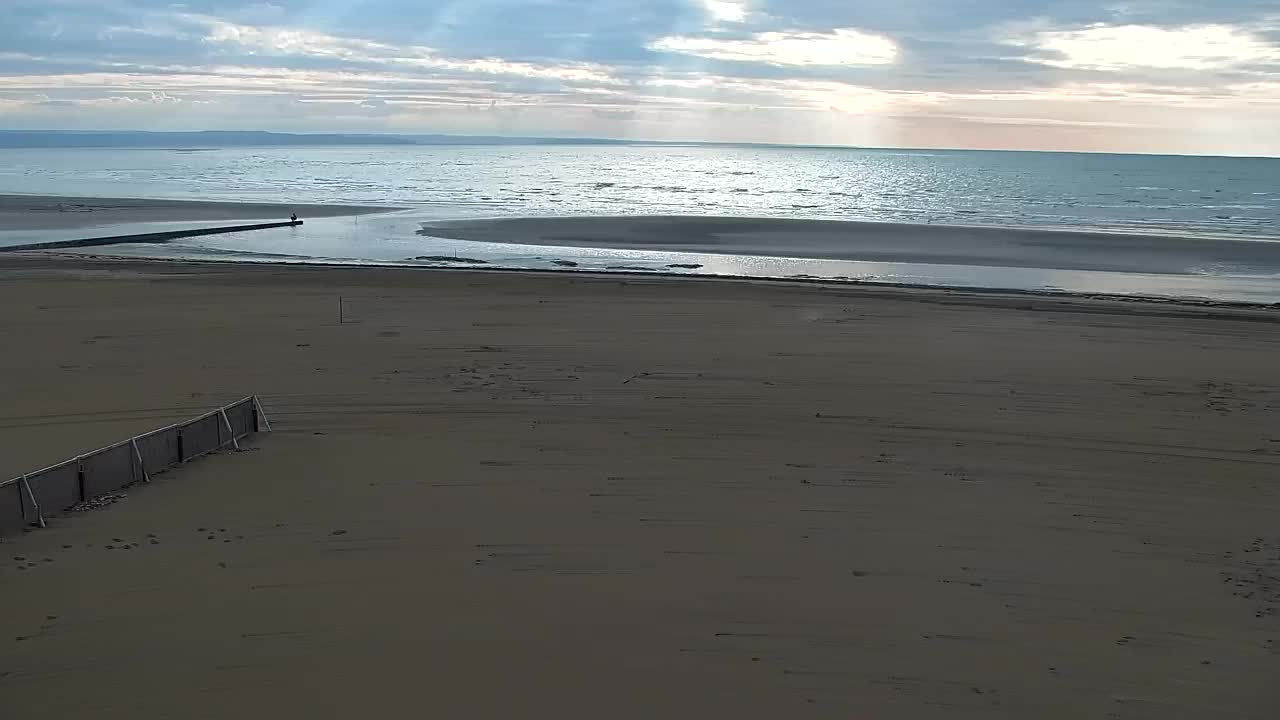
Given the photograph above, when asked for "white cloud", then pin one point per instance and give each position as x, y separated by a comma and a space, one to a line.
275, 41
840, 97
1260, 92
153, 98
261, 66
302, 43
842, 46
726, 11
1122, 47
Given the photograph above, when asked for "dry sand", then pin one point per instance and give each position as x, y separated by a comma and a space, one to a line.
504, 495
49, 212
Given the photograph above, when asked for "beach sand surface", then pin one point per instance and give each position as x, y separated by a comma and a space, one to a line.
515, 495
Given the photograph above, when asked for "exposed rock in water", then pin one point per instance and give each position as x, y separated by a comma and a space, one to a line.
450, 258
685, 266
564, 263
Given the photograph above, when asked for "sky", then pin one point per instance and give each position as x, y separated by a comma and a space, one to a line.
1142, 76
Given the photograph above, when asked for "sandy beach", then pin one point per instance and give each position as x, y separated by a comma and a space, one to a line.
510, 495
54, 212
1006, 247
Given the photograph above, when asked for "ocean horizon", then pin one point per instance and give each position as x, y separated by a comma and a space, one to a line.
41, 139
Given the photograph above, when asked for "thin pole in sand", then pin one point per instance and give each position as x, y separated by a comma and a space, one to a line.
257, 405
32, 497
146, 477
227, 421
340, 315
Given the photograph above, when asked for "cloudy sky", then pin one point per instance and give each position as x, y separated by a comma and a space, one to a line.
1144, 76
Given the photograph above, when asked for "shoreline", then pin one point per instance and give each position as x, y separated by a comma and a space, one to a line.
1029, 248
973, 259
1099, 231
48, 260
36, 212
155, 238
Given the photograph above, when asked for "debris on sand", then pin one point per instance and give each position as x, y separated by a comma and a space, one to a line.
99, 502
450, 259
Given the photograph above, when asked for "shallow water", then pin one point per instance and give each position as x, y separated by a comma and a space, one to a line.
1218, 201
393, 240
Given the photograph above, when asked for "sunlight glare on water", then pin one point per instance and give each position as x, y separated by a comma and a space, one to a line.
1179, 195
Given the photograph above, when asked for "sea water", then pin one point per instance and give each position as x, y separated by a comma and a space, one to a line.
1209, 198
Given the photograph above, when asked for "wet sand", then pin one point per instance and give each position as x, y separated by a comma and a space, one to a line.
881, 242
497, 495
50, 212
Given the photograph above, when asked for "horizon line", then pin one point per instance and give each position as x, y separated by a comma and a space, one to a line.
586, 139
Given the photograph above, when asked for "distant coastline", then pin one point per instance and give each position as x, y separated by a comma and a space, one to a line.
219, 139
210, 139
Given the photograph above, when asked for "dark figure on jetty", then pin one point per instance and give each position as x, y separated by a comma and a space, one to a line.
293, 217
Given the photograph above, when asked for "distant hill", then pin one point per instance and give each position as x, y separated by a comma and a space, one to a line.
236, 138
204, 139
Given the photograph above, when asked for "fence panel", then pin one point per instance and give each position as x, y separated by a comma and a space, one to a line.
11, 501
159, 450
109, 469
241, 416
202, 436
62, 486
56, 488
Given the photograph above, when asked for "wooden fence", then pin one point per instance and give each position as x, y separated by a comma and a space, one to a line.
27, 500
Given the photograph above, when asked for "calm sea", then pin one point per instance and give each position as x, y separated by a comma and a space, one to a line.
1237, 198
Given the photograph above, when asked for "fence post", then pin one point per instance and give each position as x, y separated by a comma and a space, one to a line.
146, 477
32, 497
80, 478
22, 499
182, 456
260, 413
230, 431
